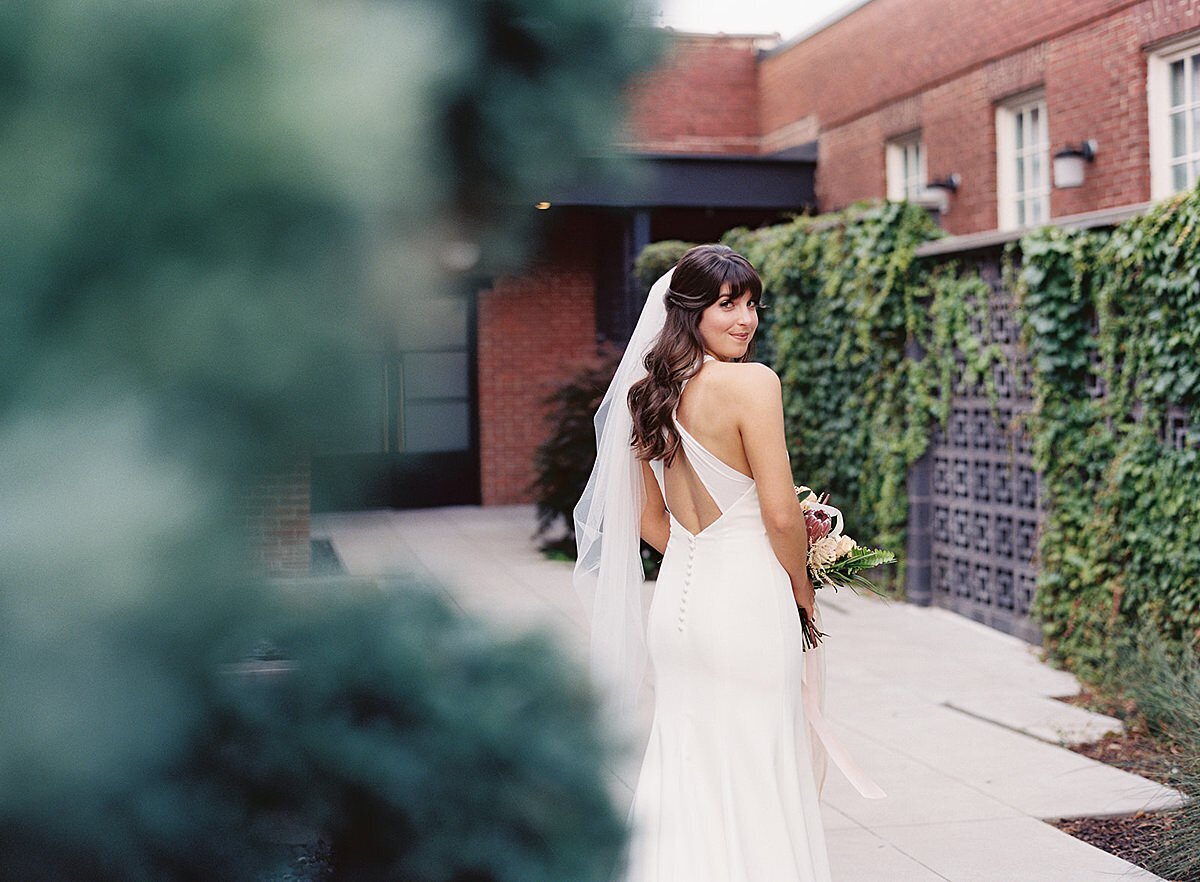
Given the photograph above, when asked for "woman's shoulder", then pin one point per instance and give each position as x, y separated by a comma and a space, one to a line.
746, 390
752, 377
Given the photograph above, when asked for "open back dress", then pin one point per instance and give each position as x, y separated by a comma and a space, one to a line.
730, 782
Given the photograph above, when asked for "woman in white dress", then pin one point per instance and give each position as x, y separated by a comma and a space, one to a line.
727, 789
692, 457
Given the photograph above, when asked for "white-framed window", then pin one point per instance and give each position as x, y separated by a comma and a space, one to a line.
1023, 162
906, 172
1173, 100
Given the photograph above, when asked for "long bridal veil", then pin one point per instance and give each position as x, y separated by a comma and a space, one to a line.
608, 574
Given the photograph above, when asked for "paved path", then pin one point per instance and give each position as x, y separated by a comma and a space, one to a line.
956, 722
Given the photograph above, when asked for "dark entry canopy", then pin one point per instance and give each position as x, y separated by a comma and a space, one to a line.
658, 180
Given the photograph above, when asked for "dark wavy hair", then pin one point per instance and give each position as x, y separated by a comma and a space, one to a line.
678, 352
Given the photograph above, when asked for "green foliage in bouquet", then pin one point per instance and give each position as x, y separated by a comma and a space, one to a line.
1117, 311
864, 339
848, 572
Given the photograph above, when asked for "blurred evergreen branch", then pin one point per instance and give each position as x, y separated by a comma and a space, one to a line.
208, 212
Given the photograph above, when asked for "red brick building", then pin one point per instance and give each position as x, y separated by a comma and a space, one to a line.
883, 101
471, 404
990, 90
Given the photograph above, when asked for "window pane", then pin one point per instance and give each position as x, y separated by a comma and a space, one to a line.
1035, 171
1179, 176
1020, 128
432, 322
1035, 211
1177, 96
1195, 128
435, 375
1178, 135
1020, 175
429, 427
1020, 212
1035, 136
1195, 173
1194, 63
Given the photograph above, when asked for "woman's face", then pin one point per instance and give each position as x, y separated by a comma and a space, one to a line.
728, 326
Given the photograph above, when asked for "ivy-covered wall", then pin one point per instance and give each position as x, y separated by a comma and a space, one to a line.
870, 342
863, 337
1112, 322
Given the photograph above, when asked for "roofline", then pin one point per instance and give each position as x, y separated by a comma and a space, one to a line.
813, 30
715, 157
744, 35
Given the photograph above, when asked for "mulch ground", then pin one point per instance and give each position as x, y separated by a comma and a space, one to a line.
1135, 838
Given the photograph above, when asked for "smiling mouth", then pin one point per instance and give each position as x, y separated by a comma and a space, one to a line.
745, 336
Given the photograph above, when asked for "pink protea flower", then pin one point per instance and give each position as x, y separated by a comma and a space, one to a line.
818, 523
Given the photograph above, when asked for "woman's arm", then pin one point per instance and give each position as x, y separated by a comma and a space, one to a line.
760, 421
656, 526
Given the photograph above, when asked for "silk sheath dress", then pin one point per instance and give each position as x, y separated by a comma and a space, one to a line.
730, 782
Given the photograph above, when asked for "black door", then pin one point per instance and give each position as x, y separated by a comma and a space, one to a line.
419, 446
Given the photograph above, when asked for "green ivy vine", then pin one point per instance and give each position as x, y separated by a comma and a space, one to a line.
864, 338
1116, 313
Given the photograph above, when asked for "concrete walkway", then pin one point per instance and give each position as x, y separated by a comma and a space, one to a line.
956, 722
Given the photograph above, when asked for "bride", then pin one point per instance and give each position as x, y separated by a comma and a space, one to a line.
692, 458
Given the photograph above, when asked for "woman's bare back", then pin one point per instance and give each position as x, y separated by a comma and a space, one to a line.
708, 414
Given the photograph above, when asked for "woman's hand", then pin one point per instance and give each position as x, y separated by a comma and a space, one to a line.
806, 596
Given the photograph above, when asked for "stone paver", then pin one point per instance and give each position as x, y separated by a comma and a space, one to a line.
955, 721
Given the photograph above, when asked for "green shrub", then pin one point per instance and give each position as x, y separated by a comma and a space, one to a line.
655, 259
425, 746
564, 460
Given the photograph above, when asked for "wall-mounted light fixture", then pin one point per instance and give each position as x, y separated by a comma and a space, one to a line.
541, 206
1070, 164
937, 192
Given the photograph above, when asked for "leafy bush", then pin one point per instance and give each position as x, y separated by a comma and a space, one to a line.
655, 259
564, 460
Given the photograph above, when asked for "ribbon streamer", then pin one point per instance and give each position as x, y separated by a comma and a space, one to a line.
853, 772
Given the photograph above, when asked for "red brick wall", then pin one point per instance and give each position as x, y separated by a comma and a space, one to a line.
535, 331
703, 98
888, 49
896, 65
275, 512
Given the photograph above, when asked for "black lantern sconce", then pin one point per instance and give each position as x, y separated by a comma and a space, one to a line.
1070, 164
938, 191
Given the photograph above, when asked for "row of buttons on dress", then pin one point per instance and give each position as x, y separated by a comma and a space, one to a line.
687, 579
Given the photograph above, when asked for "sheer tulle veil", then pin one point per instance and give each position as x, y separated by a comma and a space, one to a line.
608, 574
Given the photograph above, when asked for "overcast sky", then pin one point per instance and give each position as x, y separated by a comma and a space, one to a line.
788, 17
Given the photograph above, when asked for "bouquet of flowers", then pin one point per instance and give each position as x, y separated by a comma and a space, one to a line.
833, 557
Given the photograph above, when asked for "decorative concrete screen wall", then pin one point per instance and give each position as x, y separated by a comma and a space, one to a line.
975, 507
974, 496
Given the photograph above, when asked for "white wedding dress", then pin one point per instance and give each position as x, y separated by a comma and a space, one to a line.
731, 778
